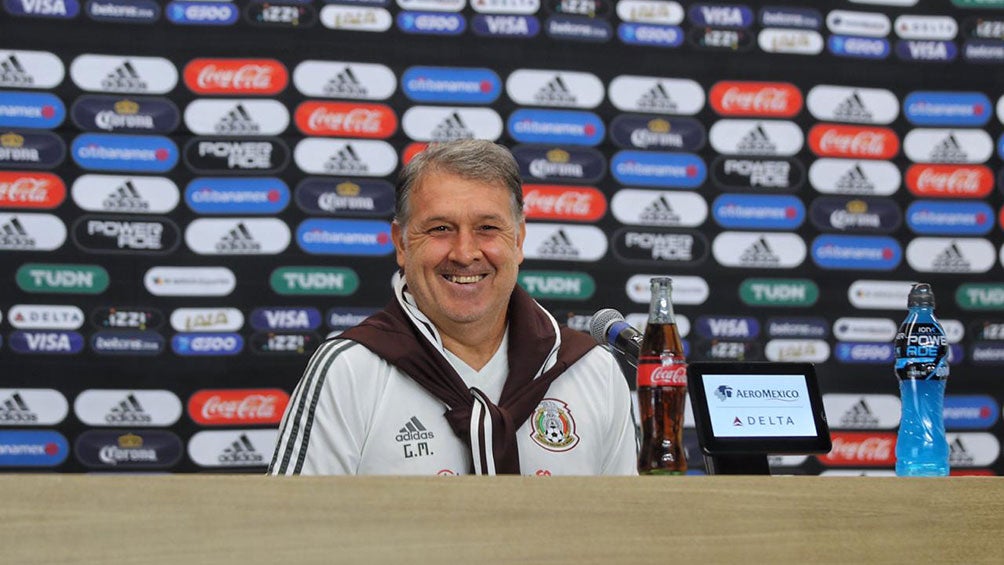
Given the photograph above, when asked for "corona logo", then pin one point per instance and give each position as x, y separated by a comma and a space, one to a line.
11, 139
659, 126
558, 156
126, 107
130, 441
347, 189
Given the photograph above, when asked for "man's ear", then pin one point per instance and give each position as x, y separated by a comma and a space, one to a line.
397, 236
520, 238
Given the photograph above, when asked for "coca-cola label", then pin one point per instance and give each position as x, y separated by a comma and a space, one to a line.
346, 119
236, 76
573, 203
223, 407
950, 181
854, 142
21, 189
861, 449
652, 372
756, 99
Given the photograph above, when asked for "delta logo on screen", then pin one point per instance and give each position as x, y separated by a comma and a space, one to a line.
451, 85
34, 110
132, 153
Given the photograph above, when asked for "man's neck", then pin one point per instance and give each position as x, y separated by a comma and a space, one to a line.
472, 346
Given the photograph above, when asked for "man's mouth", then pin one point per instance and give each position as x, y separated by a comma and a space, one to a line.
464, 279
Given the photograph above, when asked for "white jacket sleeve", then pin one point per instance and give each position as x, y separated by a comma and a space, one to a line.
622, 441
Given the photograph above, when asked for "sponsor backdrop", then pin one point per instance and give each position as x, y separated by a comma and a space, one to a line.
194, 194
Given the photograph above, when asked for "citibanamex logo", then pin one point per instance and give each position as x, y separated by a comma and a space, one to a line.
861, 449
233, 407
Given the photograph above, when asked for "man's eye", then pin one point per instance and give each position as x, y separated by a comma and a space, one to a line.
438, 229
489, 228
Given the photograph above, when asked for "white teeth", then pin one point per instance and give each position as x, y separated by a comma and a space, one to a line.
464, 280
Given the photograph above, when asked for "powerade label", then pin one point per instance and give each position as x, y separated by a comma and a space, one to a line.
652, 372
63, 9
206, 344
46, 343
39, 110
202, 13
41, 448
505, 26
237, 196
134, 153
650, 35
451, 85
921, 351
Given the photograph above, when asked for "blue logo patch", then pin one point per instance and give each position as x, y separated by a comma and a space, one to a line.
556, 126
926, 51
37, 110
794, 327
206, 343
46, 342
124, 11
133, 153
34, 448
285, 319
202, 13
347, 317
224, 195
947, 108
659, 169
729, 327
865, 352
431, 23
650, 34
877, 253
487, 25
970, 412
720, 15
578, 28
128, 342
858, 47
344, 237
983, 51
64, 9
805, 18
956, 353
451, 85
928, 217
754, 211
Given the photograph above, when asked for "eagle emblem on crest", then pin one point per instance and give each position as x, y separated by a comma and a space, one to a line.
553, 426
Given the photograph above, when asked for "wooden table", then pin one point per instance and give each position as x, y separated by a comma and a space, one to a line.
727, 519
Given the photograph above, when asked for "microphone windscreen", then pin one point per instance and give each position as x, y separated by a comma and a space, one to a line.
601, 322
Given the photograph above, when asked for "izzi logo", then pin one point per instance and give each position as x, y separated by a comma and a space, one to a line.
37, 110
279, 318
284, 343
344, 237
858, 252
117, 449
431, 23
658, 169
294, 14
60, 9
509, 26
560, 164
728, 350
799, 293
236, 155
930, 217
123, 234
207, 344
123, 11
126, 318
221, 195
345, 197
660, 247
758, 212
557, 285
451, 85
749, 173
30, 69
52, 278
720, 39
645, 132
133, 153
855, 215
322, 281
114, 114
31, 448
31, 149
46, 342
201, 13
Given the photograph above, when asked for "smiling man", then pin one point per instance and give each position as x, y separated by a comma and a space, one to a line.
463, 372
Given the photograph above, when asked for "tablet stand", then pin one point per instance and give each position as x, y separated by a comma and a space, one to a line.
746, 464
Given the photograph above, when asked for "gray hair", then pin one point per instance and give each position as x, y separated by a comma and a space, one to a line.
471, 159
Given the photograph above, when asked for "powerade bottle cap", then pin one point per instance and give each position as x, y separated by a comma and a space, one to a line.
921, 295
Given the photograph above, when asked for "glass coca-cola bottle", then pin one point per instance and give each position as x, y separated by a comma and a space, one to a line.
662, 387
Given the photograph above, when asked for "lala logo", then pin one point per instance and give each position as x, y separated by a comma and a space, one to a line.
553, 426
236, 76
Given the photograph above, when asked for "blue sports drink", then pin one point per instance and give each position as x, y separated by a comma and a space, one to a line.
922, 367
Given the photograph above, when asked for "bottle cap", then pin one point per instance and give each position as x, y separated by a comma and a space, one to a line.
920, 295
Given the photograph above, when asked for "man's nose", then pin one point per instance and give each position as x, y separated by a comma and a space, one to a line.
465, 247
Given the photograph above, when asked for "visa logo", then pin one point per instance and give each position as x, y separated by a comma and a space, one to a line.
67, 343
505, 26
51, 8
739, 328
927, 50
285, 318
721, 16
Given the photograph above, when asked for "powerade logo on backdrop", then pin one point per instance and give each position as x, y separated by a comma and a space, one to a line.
46, 343
947, 108
970, 412
344, 237
36, 110
865, 352
36, 448
929, 217
758, 211
745, 173
926, 51
123, 11
285, 319
65, 9
856, 252
659, 169
505, 26
204, 344
202, 13
650, 35
237, 196
134, 153
859, 47
451, 85
431, 23
556, 126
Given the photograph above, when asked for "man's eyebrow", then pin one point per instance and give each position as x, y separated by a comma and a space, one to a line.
452, 220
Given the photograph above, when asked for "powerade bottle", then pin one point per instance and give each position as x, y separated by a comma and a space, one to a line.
922, 368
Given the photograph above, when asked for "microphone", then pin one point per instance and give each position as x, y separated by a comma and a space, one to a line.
610, 328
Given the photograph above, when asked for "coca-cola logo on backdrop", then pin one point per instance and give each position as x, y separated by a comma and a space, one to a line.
236, 76
231, 407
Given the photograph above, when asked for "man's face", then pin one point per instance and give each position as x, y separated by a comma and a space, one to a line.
460, 250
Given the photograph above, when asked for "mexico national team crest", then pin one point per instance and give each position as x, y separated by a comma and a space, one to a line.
553, 426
